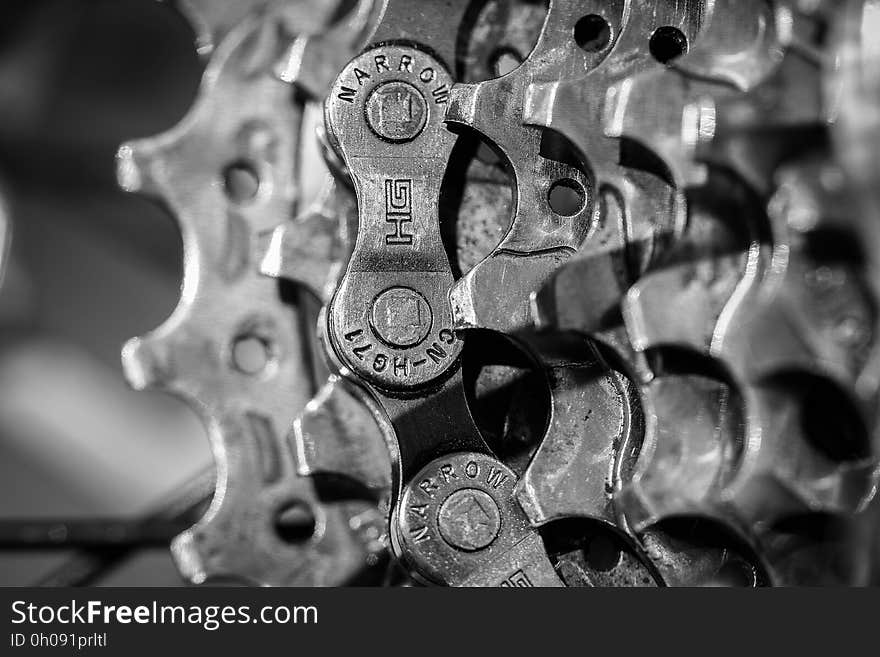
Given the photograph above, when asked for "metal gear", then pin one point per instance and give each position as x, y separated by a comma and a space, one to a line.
598, 285
234, 348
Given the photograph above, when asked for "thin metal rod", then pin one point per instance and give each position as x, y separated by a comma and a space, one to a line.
57, 534
87, 566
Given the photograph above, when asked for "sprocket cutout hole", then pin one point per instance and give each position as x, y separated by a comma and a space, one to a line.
251, 354
668, 43
566, 197
295, 522
592, 33
241, 182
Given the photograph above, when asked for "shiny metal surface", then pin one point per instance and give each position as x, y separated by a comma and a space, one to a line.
597, 283
233, 347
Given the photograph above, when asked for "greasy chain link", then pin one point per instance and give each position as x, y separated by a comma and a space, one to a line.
597, 290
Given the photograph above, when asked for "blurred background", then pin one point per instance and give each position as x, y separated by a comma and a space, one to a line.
89, 267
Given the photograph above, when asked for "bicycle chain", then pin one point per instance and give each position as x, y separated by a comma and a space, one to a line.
694, 314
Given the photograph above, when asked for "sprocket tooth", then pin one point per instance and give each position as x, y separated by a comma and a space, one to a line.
312, 61
213, 20
582, 457
693, 443
737, 57
659, 136
808, 480
827, 302
539, 103
340, 433
686, 298
134, 162
166, 358
146, 364
476, 305
463, 104
312, 249
755, 131
779, 476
